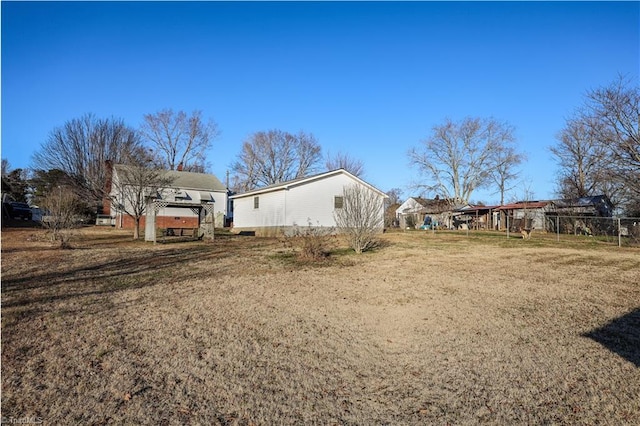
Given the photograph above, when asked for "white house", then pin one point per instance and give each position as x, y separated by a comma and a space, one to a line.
180, 201
311, 200
413, 211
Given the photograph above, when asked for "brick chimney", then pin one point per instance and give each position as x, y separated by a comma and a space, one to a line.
180, 166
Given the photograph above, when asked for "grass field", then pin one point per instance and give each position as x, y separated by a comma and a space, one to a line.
428, 329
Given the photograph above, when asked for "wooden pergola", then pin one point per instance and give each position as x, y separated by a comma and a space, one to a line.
155, 206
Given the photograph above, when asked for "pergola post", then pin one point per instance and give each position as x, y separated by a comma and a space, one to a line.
209, 208
152, 214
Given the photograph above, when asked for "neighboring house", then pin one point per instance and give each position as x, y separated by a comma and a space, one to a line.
414, 210
308, 201
179, 202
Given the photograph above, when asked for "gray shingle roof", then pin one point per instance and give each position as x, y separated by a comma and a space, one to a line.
190, 180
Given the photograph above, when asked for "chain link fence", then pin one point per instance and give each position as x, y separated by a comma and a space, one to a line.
621, 231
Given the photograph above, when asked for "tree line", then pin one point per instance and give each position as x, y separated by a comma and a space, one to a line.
597, 152
598, 149
73, 159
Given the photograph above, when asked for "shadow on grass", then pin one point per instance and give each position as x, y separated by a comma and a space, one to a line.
129, 270
621, 336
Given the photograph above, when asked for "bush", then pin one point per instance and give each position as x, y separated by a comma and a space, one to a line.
312, 242
361, 218
62, 208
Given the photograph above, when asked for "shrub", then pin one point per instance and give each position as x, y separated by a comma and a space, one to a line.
62, 209
312, 242
361, 218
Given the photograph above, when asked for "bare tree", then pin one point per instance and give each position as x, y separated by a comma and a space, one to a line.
598, 150
133, 188
360, 217
81, 147
275, 156
460, 157
527, 197
6, 167
62, 208
504, 170
613, 112
178, 139
345, 161
582, 159
391, 204
395, 196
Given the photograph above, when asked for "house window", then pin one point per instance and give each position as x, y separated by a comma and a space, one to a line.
256, 202
338, 202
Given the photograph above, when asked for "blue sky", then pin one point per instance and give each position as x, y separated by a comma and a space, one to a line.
367, 78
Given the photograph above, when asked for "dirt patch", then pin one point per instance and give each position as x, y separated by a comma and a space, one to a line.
428, 329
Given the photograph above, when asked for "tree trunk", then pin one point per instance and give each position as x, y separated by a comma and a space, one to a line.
136, 229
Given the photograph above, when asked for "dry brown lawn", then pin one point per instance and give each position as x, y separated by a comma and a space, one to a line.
429, 329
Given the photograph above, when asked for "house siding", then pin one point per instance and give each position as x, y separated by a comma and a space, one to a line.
311, 203
267, 214
174, 215
409, 206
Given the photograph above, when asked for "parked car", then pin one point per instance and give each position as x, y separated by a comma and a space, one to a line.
20, 211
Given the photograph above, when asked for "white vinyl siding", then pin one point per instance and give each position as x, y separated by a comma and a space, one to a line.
314, 203
310, 203
245, 215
